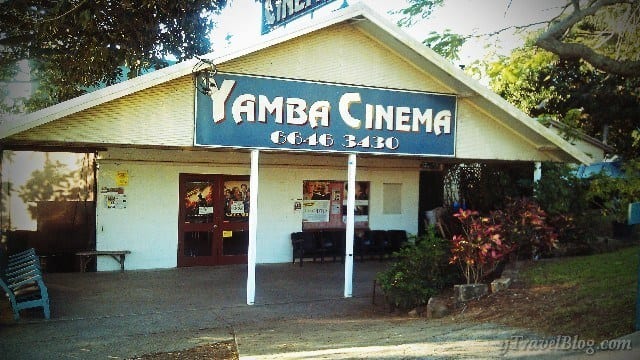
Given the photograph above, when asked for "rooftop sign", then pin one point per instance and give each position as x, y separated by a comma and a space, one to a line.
273, 113
276, 13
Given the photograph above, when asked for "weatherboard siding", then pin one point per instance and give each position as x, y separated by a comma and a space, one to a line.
338, 54
162, 115
481, 137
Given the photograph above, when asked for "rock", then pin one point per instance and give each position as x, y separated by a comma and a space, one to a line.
437, 308
465, 292
500, 284
417, 311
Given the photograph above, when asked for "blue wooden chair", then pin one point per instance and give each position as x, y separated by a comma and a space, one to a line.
25, 292
21, 279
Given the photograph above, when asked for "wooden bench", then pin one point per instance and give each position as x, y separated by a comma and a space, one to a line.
85, 257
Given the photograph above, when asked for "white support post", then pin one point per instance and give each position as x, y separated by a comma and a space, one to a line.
351, 202
537, 172
253, 221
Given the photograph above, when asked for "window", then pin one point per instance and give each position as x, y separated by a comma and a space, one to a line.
391, 198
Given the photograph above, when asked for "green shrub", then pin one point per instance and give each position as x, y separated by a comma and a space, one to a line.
420, 271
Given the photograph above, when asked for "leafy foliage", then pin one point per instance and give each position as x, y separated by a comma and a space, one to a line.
420, 271
516, 77
417, 8
485, 186
614, 194
573, 93
486, 241
78, 44
525, 227
602, 33
480, 247
447, 44
564, 197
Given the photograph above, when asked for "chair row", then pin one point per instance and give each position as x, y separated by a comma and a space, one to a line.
21, 279
320, 244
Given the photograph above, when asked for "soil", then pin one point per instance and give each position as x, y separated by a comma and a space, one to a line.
518, 306
225, 350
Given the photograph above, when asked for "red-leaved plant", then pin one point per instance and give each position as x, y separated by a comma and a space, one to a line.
481, 246
525, 226
521, 228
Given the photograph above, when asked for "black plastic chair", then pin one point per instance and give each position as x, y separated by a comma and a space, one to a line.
379, 243
306, 244
333, 243
362, 244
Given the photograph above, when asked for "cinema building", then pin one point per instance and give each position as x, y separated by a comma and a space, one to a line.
218, 160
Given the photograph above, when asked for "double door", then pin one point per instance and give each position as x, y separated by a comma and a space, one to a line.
213, 225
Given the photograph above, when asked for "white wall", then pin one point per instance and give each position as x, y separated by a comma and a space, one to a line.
148, 227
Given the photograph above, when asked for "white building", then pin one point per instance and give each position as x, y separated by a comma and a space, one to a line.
158, 148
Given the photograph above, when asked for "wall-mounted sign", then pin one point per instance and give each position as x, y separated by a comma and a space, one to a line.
263, 112
122, 178
315, 210
277, 13
114, 200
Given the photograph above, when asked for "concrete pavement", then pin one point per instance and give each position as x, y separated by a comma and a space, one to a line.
300, 312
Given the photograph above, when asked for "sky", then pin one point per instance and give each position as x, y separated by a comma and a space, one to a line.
239, 24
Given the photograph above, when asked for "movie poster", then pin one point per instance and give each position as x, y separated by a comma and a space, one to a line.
198, 202
236, 200
316, 202
361, 210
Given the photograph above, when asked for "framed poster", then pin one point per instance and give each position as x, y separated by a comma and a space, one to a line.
361, 210
236, 200
324, 204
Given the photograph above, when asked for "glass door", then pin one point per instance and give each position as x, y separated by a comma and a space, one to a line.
213, 220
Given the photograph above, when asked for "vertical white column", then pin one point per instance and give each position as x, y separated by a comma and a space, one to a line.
351, 204
537, 172
253, 222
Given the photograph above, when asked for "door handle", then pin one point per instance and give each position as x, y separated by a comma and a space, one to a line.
215, 226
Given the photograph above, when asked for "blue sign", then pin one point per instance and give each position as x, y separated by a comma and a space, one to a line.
280, 12
634, 214
272, 113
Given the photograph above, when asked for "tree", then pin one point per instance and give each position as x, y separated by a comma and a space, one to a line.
603, 33
572, 92
588, 79
77, 44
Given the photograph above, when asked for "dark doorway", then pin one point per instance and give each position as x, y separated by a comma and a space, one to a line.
431, 194
48, 202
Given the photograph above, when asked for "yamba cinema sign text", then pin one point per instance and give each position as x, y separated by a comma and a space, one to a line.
290, 114
277, 13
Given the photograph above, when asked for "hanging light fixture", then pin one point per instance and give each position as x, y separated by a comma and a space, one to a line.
205, 71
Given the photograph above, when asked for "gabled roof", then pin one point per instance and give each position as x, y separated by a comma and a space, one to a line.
366, 20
